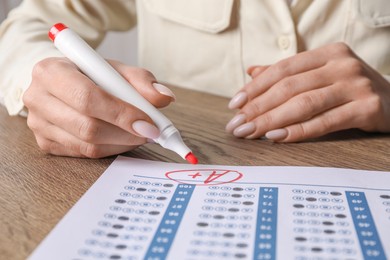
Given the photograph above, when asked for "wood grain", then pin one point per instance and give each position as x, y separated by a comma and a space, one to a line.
38, 189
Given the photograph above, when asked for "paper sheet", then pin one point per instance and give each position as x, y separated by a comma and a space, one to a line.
142, 209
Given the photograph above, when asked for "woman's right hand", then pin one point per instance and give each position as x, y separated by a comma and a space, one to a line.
71, 116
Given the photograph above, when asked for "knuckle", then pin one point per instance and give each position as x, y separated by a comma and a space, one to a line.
268, 120
371, 118
32, 123
306, 103
40, 68
44, 144
89, 130
297, 133
354, 66
340, 49
90, 150
363, 87
327, 123
28, 98
252, 109
283, 67
286, 87
373, 108
83, 98
122, 116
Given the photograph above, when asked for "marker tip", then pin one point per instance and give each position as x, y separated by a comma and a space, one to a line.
191, 158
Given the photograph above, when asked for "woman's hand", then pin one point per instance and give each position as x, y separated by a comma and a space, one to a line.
71, 116
311, 94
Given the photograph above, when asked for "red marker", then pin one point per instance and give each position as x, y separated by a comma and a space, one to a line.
105, 76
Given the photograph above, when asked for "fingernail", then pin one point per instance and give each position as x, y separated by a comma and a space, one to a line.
236, 121
146, 129
164, 90
277, 134
238, 100
244, 130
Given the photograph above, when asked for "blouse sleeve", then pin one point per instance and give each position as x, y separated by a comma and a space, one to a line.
24, 40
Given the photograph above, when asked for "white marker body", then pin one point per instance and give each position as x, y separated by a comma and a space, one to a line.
106, 77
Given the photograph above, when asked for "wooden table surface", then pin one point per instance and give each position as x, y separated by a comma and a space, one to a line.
38, 189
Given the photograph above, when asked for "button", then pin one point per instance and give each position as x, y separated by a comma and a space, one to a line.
284, 42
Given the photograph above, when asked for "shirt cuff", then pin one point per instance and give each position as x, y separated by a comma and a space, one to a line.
13, 101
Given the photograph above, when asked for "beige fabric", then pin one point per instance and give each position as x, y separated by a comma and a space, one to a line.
200, 44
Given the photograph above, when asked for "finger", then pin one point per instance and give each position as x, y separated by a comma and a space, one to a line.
284, 90
88, 99
146, 84
272, 74
333, 120
56, 141
85, 128
91, 151
298, 109
241, 97
302, 62
51, 147
254, 71
75, 89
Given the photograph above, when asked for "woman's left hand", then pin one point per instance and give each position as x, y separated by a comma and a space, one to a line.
311, 94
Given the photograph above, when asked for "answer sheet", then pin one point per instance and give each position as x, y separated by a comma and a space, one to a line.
141, 209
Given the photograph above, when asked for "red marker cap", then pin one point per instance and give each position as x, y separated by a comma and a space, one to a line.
190, 157
55, 30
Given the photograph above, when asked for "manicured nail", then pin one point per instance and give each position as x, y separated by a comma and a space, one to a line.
146, 129
238, 100
164, 90
236, 121
277, 134
244, 130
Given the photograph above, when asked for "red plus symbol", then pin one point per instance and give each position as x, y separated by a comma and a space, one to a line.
195, 175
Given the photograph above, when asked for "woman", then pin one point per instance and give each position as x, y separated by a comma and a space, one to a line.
313, 67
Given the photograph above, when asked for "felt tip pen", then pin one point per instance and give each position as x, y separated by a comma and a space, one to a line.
104, 75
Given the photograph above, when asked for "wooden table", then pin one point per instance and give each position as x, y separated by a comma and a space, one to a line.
38, 189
